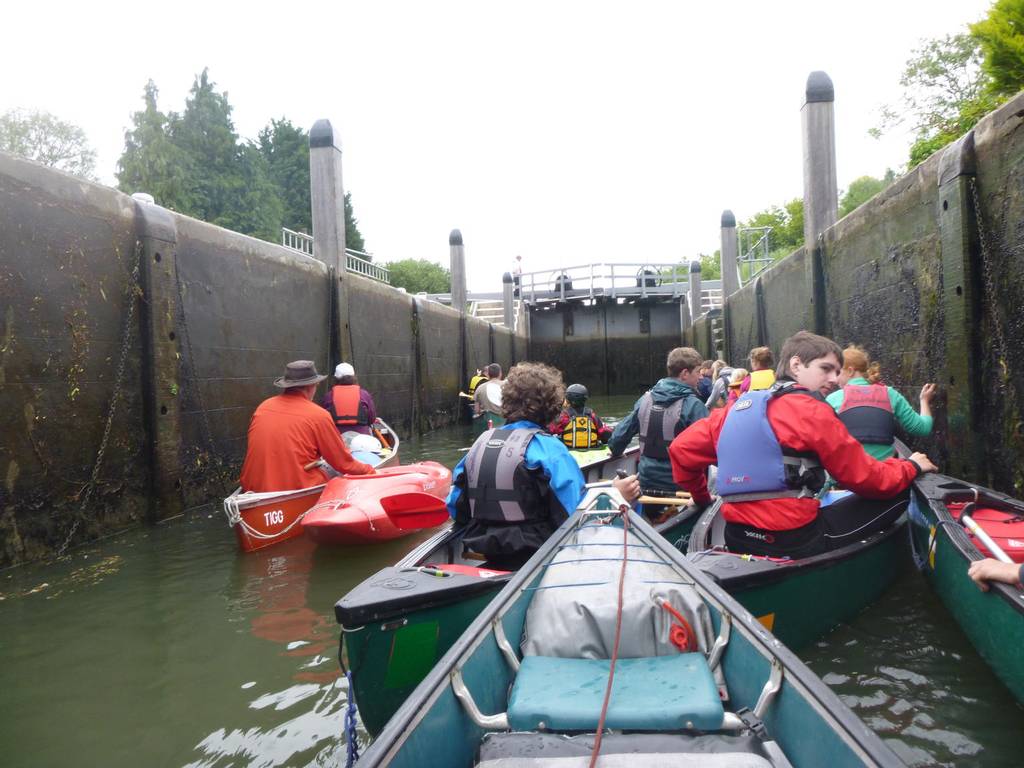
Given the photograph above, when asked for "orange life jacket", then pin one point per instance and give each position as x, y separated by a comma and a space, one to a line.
347, 408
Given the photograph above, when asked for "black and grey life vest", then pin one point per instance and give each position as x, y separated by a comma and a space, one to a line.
498, 485
867, 413
659, 424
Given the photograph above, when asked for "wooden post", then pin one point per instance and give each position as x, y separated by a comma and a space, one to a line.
960, 302
821, 193
327, 201
730, 255
694, 292
161, 360
508, 301
457, 256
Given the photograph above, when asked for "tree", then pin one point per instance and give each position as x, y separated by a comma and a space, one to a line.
787, 225
1001, 38
945, 93
286, 150
195, 163
47, 139
151, 162
711, 266
863, 189
353, 237
257, 209
420, 275
206, 133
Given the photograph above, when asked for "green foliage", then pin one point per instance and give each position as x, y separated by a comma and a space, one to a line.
196, 164
945, 93
416, 275
787, 223
47, 139
863, 189
1001, 37
151, 162
285, 147
353, 237
711, 266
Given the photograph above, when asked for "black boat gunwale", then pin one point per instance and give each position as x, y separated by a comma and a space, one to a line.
939, 494
785, 568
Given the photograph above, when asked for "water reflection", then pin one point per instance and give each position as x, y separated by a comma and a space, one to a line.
168, 646
911, 675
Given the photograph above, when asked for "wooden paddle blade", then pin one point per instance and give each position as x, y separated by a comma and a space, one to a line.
414, 510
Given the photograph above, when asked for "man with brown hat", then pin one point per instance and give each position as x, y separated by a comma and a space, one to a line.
289, 432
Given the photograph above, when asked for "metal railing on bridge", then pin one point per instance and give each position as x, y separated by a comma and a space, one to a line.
355, 261
620, 280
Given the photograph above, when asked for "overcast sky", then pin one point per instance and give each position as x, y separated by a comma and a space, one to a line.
567, 132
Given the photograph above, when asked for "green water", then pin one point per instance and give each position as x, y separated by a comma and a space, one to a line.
167, 646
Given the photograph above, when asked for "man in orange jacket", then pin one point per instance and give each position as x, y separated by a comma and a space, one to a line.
289, 432
772, 448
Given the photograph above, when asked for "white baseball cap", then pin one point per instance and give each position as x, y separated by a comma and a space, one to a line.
344, 369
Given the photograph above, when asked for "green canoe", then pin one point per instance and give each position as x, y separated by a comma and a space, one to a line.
993, 621
400, 621
801, 601
609, 625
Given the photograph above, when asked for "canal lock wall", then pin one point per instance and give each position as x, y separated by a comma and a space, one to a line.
906, 276
205, 320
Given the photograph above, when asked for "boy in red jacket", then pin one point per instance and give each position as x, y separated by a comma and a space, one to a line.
773, 448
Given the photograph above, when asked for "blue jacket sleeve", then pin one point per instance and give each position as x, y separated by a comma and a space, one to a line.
624, 432
456, 490
563, 473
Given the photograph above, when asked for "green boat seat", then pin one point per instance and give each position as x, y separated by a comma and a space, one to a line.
658, 693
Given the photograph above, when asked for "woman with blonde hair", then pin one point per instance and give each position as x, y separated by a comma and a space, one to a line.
721, 373
871, 410
739, 375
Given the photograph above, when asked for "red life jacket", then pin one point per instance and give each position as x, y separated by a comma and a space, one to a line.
867, 413
347, 408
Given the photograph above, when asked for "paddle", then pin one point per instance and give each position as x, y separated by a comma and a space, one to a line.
997, 552
668, 500
414, 510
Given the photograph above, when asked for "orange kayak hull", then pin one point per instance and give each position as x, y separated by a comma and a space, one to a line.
353, 509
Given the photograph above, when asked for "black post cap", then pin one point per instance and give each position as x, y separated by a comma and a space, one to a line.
728, 219
321, 134
819, 87
695, 266
507, 277
455, 238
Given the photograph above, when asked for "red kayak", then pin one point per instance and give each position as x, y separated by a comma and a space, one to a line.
391, 503
1005, 528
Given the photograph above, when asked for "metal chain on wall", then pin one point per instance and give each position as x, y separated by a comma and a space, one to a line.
991, 295
192, 376
132, 294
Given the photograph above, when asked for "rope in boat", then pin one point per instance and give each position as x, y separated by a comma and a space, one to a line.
351, 710
351, 734
618, 634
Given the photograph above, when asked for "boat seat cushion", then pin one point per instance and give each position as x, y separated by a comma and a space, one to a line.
657, 693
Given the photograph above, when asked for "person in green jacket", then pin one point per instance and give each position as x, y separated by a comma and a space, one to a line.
871, 410
669, 407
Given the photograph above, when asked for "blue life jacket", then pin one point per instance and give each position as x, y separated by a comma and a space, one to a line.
752, 465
